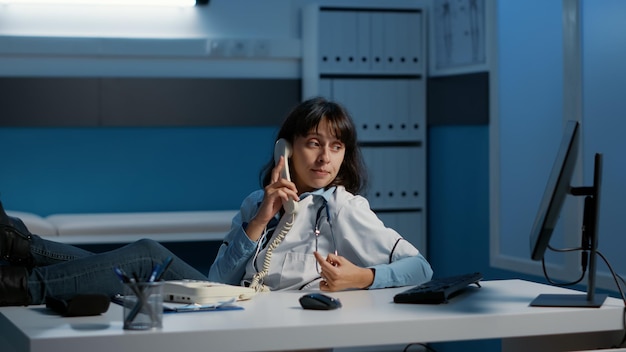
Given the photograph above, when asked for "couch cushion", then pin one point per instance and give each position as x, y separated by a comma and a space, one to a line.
35, 223
142, 223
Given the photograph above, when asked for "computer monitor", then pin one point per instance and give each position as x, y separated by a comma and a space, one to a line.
557, 190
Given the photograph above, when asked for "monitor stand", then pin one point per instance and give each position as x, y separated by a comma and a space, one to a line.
568, 300
590, 243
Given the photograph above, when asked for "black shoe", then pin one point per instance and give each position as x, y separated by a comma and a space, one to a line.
17, 223
14, 240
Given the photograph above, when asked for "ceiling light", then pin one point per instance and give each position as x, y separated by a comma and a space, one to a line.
112, 2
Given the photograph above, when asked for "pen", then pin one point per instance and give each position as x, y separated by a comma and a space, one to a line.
155, 273
121, 274
163, 267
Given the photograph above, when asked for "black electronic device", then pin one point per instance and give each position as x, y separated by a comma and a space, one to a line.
557, 190
439, 290
319, 301
80, 305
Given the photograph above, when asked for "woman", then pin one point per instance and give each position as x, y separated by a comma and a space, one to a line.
334, 241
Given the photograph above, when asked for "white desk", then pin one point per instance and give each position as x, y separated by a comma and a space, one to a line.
275, 321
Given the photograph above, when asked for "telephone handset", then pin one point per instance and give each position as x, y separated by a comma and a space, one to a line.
283, 148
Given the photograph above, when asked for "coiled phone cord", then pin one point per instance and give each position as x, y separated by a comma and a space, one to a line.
257, 279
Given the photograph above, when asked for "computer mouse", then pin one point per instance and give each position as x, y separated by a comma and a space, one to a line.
319, 301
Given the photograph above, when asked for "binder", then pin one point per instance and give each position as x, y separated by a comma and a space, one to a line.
416, 114
326, 44
377, 43
363, 54
392, 47
415, 56
347, 42
408, 224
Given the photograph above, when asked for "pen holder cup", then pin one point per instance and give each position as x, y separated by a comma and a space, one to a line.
143, 305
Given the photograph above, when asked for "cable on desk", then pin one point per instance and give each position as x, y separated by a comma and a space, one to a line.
621, 292
615, 275
545, 271
428, 348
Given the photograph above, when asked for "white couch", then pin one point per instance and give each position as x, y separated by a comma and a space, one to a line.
176, 226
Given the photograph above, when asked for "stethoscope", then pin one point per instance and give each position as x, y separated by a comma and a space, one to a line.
316, 232
316, 229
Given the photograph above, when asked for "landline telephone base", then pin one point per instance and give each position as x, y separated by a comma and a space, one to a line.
203, 292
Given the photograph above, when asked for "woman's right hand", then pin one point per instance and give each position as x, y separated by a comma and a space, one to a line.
278, 191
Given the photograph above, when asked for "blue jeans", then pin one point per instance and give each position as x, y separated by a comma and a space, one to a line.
63, 270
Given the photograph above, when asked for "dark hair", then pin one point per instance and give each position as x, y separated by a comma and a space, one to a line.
305, 117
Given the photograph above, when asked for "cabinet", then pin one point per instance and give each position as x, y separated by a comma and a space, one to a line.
372, 61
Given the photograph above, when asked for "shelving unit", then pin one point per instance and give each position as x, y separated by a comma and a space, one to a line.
372, 61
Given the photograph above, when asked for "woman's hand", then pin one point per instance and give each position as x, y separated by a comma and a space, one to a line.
338, 273
278, 191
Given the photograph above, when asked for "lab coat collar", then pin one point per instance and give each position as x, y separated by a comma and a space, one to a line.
325, 193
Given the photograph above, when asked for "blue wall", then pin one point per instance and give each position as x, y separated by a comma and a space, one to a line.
57, 170
458, 203
458, 210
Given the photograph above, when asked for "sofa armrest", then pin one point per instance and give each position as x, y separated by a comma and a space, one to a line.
35, 223
177, 226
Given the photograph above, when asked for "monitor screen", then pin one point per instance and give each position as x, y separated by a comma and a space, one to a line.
556, 191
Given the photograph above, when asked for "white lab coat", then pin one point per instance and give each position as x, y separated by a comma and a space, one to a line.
357, 234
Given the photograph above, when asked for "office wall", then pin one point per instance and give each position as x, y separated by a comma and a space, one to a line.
54, 170
604, 104
530, 125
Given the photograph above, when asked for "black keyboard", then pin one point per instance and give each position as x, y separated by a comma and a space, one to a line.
438, 290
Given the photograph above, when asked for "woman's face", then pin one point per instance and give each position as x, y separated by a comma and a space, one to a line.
316, 158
